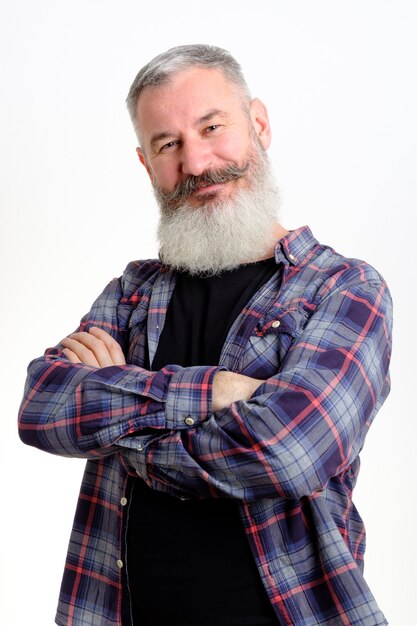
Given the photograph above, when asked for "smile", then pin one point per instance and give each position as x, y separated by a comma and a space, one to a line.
209, 187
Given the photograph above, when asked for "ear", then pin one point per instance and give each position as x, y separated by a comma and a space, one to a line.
260, 121
142, 159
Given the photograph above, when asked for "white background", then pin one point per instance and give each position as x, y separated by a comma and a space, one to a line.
339, 79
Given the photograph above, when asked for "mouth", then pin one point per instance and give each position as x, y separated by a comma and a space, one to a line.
209, 188
203, 188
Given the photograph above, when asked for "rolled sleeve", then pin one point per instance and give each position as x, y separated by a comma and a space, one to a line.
189, 396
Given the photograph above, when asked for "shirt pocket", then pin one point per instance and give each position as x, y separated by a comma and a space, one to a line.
270, 341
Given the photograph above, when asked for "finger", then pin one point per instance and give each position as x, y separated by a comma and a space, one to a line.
71, 356
114, 349
96, 346
81, 351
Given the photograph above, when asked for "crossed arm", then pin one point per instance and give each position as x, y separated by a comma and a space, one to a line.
98, 349
248, 438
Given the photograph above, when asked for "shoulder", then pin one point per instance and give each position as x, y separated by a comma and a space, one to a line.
137, 278
306, 252
317, 271
139, 274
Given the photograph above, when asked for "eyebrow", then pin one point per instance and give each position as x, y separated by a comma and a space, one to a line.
207, 117
159, 137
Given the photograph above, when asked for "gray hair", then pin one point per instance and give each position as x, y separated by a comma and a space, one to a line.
162, 67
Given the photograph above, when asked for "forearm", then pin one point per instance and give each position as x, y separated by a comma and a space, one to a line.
268, 447
230, 387
73, 409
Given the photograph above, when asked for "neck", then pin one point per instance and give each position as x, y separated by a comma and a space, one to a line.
279, 233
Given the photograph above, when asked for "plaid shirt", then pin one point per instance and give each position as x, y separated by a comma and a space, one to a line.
290, 455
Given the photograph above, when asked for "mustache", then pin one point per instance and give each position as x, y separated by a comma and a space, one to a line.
210, 177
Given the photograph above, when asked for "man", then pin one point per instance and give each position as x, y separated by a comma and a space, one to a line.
221, 394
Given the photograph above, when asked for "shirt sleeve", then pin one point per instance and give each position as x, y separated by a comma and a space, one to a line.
78, 410
304, 425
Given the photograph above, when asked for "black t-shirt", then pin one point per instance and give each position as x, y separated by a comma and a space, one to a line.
189, 561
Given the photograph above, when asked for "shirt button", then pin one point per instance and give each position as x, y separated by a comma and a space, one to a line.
123, 501
119, 563
189, 420
276, 324
291, 257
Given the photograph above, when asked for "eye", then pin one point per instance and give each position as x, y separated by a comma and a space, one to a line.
168, 146
212, 128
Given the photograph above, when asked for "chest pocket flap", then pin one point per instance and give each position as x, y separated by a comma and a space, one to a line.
271, 339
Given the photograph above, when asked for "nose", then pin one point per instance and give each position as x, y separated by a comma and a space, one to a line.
195, 158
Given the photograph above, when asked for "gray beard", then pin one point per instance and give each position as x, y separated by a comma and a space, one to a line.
220, 235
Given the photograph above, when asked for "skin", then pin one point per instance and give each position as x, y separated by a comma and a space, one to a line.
98, 349
195, 122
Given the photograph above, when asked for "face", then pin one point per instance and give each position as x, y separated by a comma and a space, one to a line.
222, 233
197, 136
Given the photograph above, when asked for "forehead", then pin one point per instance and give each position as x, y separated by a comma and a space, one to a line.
188, 95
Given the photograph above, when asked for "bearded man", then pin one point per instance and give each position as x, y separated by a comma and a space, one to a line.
221, 394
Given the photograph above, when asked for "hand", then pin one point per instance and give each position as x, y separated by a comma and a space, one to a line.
96, 348
229, 387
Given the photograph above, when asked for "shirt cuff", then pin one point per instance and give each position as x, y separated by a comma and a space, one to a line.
189, 396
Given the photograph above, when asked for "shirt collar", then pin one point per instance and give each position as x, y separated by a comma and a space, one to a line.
294, 247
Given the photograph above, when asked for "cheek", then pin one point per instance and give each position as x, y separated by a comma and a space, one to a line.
165, 176
233, 148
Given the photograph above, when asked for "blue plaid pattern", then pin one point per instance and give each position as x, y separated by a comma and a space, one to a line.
290, 455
